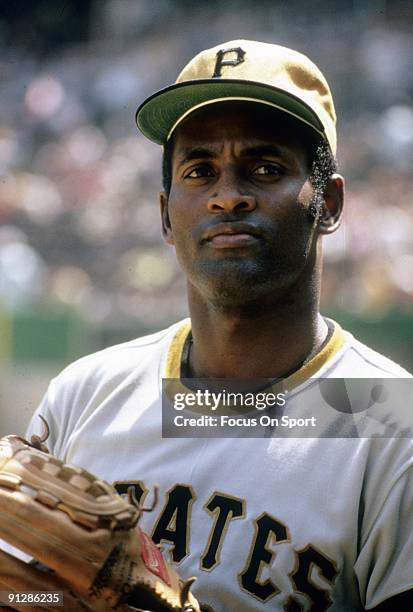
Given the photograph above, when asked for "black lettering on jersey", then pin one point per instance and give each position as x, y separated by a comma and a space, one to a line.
307, 560
172, 526
139, 489
220, 61
225, 509
267, 531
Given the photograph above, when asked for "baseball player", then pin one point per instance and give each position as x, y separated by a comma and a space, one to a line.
249, 189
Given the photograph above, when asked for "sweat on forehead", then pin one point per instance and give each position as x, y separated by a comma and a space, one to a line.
248, 125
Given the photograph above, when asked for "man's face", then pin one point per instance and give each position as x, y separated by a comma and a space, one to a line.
238, 209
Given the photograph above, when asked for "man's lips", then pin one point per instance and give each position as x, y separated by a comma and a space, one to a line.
231, 235
231, 241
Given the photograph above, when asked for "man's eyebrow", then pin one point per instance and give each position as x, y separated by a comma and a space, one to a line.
261, 150
196, 153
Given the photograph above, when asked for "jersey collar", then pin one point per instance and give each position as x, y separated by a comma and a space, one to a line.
308, 370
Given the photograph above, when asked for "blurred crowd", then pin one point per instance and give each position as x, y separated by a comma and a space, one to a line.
79, 220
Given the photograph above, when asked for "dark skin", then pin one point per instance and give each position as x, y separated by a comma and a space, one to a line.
238, 216
254, 292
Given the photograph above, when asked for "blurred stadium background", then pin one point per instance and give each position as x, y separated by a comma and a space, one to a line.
81, 260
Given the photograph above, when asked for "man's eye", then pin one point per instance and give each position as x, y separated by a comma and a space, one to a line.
267, 170
199, 172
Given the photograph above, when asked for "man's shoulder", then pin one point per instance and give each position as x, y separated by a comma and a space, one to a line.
100, 383
360, 360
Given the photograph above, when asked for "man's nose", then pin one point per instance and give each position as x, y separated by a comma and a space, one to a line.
229, 196
231, 200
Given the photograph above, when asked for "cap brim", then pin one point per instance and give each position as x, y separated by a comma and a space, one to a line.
159, 115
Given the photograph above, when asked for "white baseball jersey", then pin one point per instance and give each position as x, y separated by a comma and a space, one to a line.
265, 523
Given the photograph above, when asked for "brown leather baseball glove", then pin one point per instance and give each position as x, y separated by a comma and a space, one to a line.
84, 532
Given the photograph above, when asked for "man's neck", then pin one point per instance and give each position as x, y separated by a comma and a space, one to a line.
270, 343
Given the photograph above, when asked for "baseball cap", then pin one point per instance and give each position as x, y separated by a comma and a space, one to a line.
243, 70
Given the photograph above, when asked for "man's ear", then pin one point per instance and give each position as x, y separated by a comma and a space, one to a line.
166, 224
334, 200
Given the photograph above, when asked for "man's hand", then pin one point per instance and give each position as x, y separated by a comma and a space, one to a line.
80, 528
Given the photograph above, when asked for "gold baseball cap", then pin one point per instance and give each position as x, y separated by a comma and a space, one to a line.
243, 70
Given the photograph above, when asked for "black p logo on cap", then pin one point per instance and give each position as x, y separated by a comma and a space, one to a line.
230, 62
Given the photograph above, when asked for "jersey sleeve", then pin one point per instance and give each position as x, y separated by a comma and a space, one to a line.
62, 406
65, 400
36, 426
384, 566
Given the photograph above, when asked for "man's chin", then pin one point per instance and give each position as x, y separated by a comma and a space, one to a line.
235, 284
